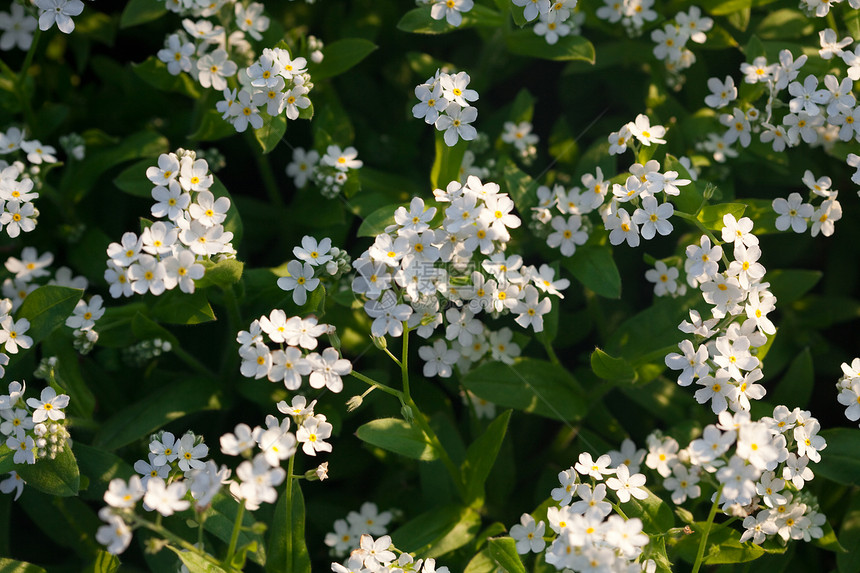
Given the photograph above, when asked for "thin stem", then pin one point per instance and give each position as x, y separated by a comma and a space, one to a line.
289, 493
175, 539
693, 219
266, 174
700, 555
396, 360
440, 449
234, 536
553, 357
374, 384
404, 363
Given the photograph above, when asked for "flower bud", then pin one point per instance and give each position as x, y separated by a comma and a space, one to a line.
380, 342
354, 403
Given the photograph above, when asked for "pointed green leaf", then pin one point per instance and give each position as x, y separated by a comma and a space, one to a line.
419, 20
212, 127
270, 135
133, 180
520, 186
340, 56
277, 560
154, 72
397, 436
840, 462
446, 164
503, 550
222, 274
711, 216
656, 515
177, 307
795, 388
611, 368
196, 563
788, 285
481, 456
12, 566
103, 563
48, 307
438, 531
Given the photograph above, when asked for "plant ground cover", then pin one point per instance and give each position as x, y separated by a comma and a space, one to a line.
466, 285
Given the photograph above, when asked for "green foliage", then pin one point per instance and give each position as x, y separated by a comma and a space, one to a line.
139, 12
399, 437
277, 560
481, 456
59, 476
840, 464
611, 368
595, 268
569, 48
12, 566
340, 56
795, 388
711, 216
437, 531
47, 308
529, 385
504, 552
446, 165
270, 135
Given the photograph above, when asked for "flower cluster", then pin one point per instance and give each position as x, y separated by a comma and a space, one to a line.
376, 556
589, 535
138, 355
33, 428
314, 259
444, 101
330, 173
17, 27
849, 389
631, 13
724, 362
276, 83
17, 180
796, 215
672, 39
555, 18
451, 10
170, 252
818, 115
292, 361
521, 137
347, 532
759, 469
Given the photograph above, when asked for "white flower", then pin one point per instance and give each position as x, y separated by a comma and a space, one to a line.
621, 229
85, 315
115, 535
438, 359
455, 123
59, 12
792, 212
313, 252
163, 498
450, 10
327, 369
342, 160
213, 69
654, 218
313, 433
300, 280
12, 334
626, 485
567, 235
303, 165
122, 494
647, 134
528, 535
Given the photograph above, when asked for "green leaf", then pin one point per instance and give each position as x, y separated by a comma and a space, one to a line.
176, 307
723, 7
656, 515
397, 436
103, 563
839, 462
849, 533
594, 267
481, 456
711, 216
154, 72
482, 563
652, 330
795, 388
569, 48
438, 531
213, 127
724, 545
6, 455
163, 405
828, 541
788, 23
504, 551
611, 368
12, 566
67, 373
520, 186
852, 24
375, 223
419, 21
340, 56
100, 466
220, 519
446, 164
788, 285
690, 197
196, 563
222, 274
138, 12
523, 107
133, 180
300, 561
145, 328
270, 135
531, 385
59, 476
48, 307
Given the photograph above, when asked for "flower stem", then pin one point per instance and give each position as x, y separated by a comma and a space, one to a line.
693, 219
234, 537
374, 384
404, 364
288, 549
700, 555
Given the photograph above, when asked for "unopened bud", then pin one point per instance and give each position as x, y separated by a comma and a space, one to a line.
354, 403
380, 342
709, 191
406, 412
318, 474
153, 545
334, 339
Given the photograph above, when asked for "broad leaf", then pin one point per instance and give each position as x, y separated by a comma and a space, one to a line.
103, 563
795, 388
656, 515
503, 550
145, 416
133, 180
12, 566
711, 216
438, 531
154, 72
48, 307
100, 467
220, 519
375, 223
212, 127
446, 164
195, 562
340, 56
270, 135
138, 12
530, 385
59, 476
788, 285
594, 267
840, 462
397, 436
569, 48
222, 274
177, 307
